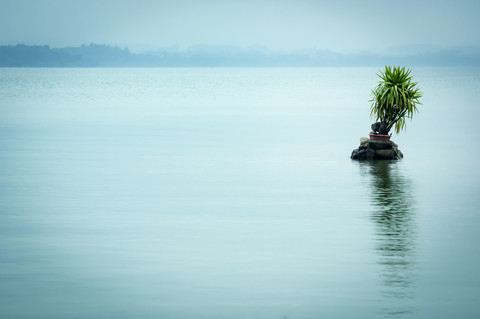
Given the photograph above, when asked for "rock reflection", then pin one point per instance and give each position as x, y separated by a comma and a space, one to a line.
392, 199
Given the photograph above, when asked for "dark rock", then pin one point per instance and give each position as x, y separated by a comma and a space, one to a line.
364, 143
363, 154
358, 154
380, 145
385, 154
363, 146
370, 154
376, 126
376, 150
399, 154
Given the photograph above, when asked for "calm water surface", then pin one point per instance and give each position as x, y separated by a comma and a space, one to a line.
229, 193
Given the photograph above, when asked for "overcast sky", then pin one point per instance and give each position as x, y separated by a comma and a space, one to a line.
343, 26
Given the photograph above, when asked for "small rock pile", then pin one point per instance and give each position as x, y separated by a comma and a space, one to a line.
376, 150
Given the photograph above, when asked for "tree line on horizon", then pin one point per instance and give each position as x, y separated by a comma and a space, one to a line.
100, 55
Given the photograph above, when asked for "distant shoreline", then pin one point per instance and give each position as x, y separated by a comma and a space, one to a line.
96, 55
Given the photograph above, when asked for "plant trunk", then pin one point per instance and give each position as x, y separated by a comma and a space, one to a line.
384, 129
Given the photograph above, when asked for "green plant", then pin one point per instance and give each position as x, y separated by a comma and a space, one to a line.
394, 99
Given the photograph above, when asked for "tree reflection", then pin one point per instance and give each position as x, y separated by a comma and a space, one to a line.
395, 234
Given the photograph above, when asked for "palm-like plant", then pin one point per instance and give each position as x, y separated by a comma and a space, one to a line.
394, 99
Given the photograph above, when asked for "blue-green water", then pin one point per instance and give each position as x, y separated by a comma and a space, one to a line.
229, 193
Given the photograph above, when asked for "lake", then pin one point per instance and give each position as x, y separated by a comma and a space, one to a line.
230, 193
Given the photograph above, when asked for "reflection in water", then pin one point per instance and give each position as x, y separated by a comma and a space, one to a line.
393, 204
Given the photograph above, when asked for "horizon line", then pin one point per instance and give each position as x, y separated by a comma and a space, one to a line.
471, 49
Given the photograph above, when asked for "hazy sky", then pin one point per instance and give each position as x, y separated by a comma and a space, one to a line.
342, 26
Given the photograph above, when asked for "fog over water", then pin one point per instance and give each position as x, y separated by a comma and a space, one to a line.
229, 193
346, 26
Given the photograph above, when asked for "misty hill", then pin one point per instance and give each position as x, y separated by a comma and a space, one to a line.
95, 55
43, 56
